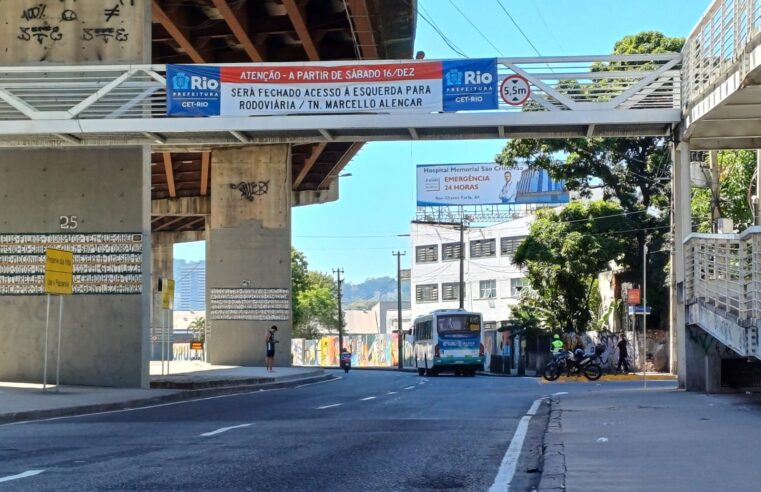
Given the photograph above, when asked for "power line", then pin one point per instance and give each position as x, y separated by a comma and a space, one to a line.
476, 27
436, 28
518, 27
552, 34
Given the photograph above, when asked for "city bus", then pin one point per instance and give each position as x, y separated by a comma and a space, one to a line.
448, 340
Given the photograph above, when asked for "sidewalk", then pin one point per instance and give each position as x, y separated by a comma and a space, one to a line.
655, 439
188, 380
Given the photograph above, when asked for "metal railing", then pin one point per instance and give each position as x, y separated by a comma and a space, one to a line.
716, 47
724, 271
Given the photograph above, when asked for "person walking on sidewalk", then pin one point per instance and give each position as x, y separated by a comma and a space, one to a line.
270, 345
623, 355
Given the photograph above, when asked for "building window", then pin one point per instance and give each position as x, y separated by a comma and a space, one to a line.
510, 244
427, 293
450, 251
450, 291
516, 285
427, 254
488, 289
483, 248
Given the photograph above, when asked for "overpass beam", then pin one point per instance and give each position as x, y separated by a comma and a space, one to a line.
248, 267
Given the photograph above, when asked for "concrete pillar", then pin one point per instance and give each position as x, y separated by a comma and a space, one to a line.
248, 267
105, 323
682, 228
713, 373
106, 330
162, 266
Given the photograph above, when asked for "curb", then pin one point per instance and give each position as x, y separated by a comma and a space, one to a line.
355, 368
553, 452
189, 383
182, 395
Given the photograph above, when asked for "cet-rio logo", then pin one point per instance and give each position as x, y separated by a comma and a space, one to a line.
180, 82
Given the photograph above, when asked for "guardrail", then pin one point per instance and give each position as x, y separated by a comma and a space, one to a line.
716, 47
724, 271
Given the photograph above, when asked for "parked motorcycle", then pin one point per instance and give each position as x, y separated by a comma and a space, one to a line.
588, 365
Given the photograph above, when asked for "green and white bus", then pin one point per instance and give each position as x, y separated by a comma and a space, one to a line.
448, 340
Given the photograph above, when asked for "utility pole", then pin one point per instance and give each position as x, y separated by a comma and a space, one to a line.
462, 262
339, 281
644, 314
400, 329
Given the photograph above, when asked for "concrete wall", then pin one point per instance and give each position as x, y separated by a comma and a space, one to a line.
88, 31
249, 246
104, 336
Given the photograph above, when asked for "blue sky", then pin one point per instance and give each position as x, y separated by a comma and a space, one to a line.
359, 232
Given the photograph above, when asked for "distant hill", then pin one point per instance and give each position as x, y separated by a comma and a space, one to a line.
373, 290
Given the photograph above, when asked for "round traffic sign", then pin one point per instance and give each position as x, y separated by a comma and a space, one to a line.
515, 90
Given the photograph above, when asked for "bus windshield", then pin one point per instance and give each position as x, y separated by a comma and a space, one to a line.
459, 325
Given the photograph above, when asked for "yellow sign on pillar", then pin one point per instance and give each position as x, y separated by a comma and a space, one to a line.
59, 272
167, 294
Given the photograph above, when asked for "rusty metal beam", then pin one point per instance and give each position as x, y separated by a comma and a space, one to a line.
238, 30
177, 34
342, 162
169, 174
296, 14
309, 163
360, 16
205, 158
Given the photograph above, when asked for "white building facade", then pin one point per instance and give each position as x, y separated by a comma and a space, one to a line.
492, 281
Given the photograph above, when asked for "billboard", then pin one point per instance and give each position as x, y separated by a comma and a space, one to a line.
330, 88
486, 184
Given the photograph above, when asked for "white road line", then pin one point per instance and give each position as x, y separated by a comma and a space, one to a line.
329, 406
510, 460
409, 388
28, 473
319, 382
535, 407
223, 429
560, 393
391, 393
369, 398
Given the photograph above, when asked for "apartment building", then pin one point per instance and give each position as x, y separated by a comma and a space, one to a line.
492, 282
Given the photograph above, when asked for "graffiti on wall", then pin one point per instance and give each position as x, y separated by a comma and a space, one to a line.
366, 351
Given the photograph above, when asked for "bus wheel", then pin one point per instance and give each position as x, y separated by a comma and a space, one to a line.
431, 372
471, 373
457, 372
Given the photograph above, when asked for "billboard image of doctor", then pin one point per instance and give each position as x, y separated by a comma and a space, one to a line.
510, 188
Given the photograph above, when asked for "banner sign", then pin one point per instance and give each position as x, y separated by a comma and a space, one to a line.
278, 89
486, 184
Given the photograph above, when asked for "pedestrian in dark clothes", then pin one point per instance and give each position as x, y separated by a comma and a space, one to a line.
623, 355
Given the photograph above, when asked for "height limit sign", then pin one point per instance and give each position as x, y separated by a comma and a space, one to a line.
515, 90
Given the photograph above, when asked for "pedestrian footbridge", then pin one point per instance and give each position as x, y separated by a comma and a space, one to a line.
706, 98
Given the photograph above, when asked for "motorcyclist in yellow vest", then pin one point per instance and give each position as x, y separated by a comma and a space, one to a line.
557, 344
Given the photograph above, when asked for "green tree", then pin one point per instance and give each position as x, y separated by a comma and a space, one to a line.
563, 254
319, 304
634, 172
299, 283
198, 327
736, 169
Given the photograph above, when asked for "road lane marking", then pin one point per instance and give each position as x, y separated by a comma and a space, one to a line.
510, 460
391, 393
28, 473
409, 388
223, 429
535, 407
329, 406
369, 398
336, 378
560, 393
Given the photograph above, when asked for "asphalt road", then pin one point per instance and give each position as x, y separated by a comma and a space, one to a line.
371, 430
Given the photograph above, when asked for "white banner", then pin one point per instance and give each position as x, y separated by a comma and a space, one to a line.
485, 184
